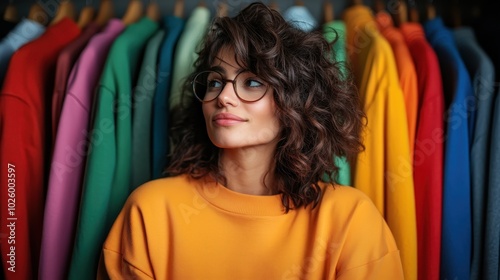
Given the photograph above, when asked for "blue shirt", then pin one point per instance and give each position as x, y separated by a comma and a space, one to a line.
456, 227
25, 31
173, 27
300, 17
482, 75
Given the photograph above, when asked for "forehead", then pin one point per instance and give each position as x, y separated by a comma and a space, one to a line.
226, 60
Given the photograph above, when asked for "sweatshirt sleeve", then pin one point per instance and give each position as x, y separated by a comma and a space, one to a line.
369, 250
387, 267
125, 253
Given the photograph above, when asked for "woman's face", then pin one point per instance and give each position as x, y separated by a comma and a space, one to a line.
232, 123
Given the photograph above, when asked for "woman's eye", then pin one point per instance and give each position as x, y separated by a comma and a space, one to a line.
214, 84
253, 83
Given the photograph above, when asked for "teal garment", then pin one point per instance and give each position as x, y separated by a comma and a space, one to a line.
173, 26
143, 112
186, 52
106, 183
335, 30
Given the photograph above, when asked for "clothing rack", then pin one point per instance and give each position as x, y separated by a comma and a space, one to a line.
452, 12
469, 8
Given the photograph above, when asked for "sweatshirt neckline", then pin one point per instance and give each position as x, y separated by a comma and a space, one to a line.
238, 203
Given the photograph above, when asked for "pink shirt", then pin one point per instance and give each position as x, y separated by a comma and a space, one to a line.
70, 151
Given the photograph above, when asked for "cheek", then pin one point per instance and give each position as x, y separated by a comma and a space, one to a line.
207, 111
275, 126
268, 119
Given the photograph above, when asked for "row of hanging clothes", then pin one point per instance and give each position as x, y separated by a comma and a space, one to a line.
443, 77
85, 106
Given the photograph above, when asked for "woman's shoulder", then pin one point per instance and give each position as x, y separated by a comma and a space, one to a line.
346, 200
358, 229
164, 189
351, 213
342, 194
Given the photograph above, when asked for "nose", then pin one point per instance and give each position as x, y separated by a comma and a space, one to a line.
228, 96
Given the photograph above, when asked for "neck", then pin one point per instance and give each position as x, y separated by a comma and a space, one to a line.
249, 170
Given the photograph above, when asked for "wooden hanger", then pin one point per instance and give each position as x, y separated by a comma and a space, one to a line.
105, 12
402, 16
328, 12
414, 16
11, 14
431, 10
135, 11
179, 8
379, 6
356, 2
153, 10
476, 11
202, 3
274, 5
66, 9
222, 9
86, 15
38, 14
456, 15
299, 3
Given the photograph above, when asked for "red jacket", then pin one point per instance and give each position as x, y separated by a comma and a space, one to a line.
25, 147
428, 152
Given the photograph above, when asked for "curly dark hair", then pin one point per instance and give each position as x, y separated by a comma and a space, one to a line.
317, 103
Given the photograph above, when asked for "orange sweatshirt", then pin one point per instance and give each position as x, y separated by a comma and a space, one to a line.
179, 228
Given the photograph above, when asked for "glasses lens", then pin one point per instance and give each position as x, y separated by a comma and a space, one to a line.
250, 87
207, 85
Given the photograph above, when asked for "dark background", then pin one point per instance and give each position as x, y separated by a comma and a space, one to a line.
467, 11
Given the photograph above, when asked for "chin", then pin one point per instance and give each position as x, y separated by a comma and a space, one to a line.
227, 145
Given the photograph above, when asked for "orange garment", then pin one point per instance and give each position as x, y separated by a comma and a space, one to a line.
384, 169
181, 228
406, 70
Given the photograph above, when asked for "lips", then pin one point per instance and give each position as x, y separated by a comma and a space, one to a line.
226, 119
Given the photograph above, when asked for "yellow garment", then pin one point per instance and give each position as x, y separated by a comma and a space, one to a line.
179, 228
384, 170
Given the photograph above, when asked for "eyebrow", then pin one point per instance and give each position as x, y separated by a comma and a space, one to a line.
222, 70
218, 69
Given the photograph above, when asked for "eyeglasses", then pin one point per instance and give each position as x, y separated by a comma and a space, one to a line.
207, 86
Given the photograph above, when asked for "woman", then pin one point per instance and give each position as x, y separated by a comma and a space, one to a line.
245, 199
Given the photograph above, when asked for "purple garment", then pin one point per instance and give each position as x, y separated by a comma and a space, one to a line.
65, 62
70, 151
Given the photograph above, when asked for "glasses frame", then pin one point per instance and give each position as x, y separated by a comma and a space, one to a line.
225, 82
